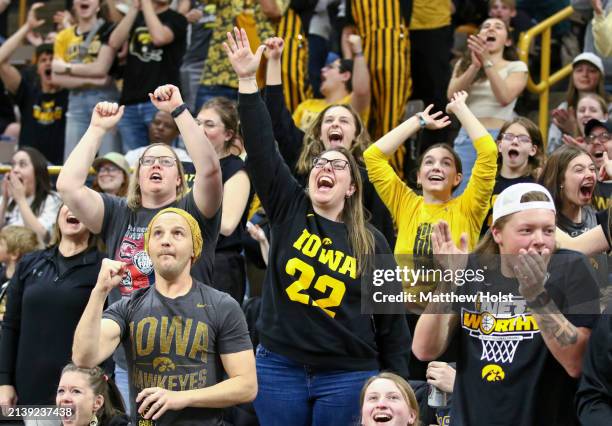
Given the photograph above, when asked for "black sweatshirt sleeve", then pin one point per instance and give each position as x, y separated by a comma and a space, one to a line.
272, 179
11, 327
288, 136
594, 396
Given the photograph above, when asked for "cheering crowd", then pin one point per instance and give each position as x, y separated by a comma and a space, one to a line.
253, 164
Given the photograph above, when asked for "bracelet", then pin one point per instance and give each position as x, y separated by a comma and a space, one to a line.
253, 77
68, 69
178, 110
422, 122
356, 55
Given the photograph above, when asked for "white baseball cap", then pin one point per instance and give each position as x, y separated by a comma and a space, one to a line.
509, 201
591, 58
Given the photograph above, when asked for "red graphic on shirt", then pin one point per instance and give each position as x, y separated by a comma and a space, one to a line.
140, 269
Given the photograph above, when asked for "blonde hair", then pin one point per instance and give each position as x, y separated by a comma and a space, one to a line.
403, 386
313, 145
134, 196
19, 240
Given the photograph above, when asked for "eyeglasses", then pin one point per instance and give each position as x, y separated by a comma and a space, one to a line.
337, 164
602, 137
108, 169
164, 160
510, 137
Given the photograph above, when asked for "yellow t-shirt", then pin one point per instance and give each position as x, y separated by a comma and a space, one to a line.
430, 14
307, 111
67, 44
414, 218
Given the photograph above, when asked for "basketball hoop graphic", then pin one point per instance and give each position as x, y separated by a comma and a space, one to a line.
500, 336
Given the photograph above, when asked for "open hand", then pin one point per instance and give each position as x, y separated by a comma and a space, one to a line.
238, 50
446, 253
530, 269
432, 122
33, 22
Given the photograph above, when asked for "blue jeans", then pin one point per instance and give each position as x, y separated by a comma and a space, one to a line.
293, 394
123, 384
81, 103
134, 125
465, 150
206, 93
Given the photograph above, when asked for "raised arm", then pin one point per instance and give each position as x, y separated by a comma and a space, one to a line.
438, 322
9, 74
207, 186
95, 339
396, 195
288, 136
360, 77
85, 203
463, 81
270, 175
505, 90
122, 31
566, 341
161, 35
236, 192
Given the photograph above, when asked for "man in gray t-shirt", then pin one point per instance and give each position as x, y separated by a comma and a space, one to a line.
179, 335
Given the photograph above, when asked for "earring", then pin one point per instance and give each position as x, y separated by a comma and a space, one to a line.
560, 186
94, 420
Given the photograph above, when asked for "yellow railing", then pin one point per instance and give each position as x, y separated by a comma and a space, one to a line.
546, 79
23, 10
53, 170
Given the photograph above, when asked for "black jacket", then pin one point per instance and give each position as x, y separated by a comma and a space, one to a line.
43, 310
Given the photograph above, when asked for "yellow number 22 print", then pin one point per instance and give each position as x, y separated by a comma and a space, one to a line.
296, 291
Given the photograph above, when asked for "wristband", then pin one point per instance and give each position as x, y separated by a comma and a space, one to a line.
358, 54
68, 69
541, 300
422, 122
178, 110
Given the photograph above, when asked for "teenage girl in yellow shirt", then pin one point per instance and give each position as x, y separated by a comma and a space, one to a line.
438, 175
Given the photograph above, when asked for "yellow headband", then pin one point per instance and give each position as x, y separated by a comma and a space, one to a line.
196, 234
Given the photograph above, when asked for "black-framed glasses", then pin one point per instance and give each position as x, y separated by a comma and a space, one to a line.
602, 137
510, 137
337, 164
164, 160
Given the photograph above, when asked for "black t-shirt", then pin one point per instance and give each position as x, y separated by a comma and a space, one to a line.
501, 183
43, 118
231, 165
149, 66
7, 114
176, 344
312, 294
602, 198
603, 220
506, 375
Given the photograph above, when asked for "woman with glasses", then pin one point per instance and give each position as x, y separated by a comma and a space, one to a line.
219, 119
317, 349
337, 124
519, 160
157, 182
112, 174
